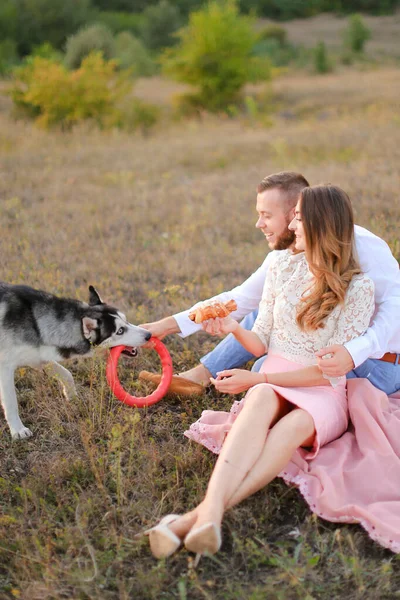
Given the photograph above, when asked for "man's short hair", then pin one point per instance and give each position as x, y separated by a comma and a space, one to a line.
289, 182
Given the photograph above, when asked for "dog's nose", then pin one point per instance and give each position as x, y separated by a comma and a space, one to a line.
147, 336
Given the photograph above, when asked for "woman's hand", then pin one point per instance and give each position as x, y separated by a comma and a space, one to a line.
234, 381
220, 326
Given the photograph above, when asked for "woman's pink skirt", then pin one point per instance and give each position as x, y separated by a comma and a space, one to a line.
326, 405
352, 474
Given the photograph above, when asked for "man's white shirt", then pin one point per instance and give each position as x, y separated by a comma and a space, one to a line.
376, 261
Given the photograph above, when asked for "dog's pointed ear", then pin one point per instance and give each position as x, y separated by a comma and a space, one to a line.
88, 325
94, 298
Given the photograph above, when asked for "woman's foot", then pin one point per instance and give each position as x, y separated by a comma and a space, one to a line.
206, 538
163, 541
205, 534
181, 526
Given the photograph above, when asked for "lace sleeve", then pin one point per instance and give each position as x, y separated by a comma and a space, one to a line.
357, 312
263, 324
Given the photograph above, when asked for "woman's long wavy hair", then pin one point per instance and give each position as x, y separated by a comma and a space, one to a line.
328, 223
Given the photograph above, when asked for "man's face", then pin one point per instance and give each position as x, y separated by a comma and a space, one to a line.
273, 219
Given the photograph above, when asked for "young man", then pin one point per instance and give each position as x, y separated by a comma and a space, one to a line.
375, 355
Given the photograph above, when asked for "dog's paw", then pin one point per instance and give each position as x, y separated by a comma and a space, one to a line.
21, 434
68, 391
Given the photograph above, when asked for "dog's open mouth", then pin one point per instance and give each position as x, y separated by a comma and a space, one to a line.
131, 352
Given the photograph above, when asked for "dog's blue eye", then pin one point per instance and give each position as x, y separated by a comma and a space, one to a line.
120, 331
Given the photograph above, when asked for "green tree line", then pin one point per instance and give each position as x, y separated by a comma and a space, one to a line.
273, 9
29, 23
217, 52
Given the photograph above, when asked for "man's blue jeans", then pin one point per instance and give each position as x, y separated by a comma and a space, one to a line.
229, 354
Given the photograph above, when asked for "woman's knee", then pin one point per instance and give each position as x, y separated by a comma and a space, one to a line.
301, 422
261, 395
265, 398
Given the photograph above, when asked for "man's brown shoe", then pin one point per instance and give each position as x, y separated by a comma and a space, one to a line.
179, 385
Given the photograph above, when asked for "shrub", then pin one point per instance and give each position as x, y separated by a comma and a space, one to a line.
284, 10
46, 50
50, 21
322, 63
131, 54
272, 43
374, 7
356, 34
120, 21
278, 55
8, 20
8, 56
122, 5
135, 114
215, 54
48, 91
273, 32
89, 39
185, 7
159, 24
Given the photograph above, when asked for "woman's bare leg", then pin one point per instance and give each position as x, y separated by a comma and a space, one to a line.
239, 453
289, 433
292, 431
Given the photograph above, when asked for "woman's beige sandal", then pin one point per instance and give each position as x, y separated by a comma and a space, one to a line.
206, 538
163, 541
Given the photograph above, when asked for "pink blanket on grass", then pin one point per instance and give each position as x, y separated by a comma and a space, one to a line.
355, 478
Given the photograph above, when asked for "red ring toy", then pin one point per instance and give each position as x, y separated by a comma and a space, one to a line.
158, 394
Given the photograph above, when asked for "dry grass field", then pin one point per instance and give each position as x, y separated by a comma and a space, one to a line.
157, 223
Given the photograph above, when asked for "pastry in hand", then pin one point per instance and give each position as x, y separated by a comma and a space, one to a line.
212, 311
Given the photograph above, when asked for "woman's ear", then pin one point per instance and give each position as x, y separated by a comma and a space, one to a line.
94, 298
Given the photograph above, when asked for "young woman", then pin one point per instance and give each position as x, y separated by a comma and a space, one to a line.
314, 296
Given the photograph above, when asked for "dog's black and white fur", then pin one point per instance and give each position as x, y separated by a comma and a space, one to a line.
37, 327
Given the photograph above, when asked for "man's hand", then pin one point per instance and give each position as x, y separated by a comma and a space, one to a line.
162, 328
234, 381
339, 364
220, 326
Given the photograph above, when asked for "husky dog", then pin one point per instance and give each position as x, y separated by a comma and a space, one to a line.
37, 327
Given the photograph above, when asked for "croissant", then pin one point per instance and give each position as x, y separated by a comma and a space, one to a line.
212, 311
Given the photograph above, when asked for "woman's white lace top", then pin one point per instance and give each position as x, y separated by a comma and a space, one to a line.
288, 278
